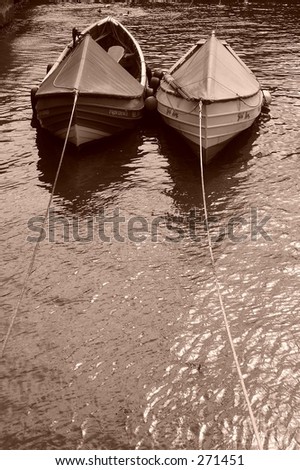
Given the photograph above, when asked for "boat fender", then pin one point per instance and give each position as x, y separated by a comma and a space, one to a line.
267, 97
154, 83
149, 92
158, 73
148, 73
49, 67
33, 97
151, 103
34, 120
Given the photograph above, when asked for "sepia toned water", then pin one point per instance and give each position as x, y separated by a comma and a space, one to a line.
120, 341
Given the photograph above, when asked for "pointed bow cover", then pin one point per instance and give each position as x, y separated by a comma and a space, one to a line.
214, 73
90, 69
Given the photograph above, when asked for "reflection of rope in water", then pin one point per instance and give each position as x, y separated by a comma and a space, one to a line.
253, 421
29, 271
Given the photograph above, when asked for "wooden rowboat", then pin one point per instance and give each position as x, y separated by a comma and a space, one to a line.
210, 74
105, 65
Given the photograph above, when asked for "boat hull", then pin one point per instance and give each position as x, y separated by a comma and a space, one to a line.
221, 121
95, 117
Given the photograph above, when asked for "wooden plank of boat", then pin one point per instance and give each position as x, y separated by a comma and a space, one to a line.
111, 95
230, 94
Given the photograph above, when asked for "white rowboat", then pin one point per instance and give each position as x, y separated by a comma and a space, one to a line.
231, 97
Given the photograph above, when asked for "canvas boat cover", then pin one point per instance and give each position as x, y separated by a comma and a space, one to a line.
214, 73
90, 69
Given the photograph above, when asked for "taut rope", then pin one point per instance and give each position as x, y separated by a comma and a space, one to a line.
253, 421
31, 263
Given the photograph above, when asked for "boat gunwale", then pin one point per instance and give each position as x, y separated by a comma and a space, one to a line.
206, 102
81, 94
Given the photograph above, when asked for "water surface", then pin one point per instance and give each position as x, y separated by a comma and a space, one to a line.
121, 344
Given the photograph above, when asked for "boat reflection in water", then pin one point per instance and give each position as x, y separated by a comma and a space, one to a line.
88, 176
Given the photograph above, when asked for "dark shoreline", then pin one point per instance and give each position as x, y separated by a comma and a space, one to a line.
7, 10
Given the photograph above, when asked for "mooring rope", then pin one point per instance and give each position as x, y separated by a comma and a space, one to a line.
253, 421
31, 263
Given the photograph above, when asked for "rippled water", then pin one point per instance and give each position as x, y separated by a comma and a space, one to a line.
121, 344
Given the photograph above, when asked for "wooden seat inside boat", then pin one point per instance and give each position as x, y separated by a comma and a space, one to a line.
116, 52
